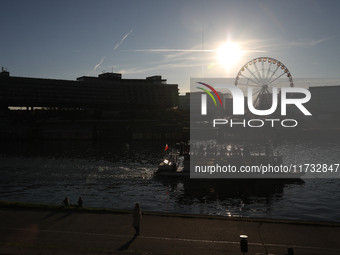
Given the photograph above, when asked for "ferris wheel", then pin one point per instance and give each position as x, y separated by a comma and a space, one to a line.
262, 74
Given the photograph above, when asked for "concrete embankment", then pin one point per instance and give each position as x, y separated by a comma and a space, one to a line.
62, 231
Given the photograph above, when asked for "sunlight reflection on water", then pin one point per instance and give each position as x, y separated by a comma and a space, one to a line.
112, 179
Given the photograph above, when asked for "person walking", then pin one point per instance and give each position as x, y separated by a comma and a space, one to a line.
137, 216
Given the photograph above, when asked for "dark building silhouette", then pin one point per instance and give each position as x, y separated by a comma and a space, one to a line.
106, 92
103, 107
325, 101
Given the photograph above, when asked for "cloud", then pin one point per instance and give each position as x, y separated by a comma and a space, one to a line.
193, 59
172, 55
157, 68
170, 50
308, 43
99, 63
122, 40
176, 50
275, 44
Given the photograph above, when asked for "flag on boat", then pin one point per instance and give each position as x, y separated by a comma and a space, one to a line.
166, 147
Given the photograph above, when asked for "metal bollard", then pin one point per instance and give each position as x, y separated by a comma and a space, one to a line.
244, 243
290, 251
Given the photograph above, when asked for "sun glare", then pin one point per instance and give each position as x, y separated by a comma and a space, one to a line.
229, 54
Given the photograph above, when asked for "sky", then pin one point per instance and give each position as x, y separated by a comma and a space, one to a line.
178, 40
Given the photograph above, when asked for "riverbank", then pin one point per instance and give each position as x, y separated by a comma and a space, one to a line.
26, 229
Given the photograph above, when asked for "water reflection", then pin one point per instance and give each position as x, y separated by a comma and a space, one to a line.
116, 175
235, 193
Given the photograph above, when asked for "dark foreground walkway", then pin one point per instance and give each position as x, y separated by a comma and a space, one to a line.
27, 231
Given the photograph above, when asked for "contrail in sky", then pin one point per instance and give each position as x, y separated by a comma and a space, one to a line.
122, 40
99, 63
175, 50
113, 49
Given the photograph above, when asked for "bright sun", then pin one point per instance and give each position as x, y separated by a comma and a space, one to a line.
229, 54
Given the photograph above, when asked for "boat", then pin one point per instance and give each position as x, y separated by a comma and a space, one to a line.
175, 165
242, 161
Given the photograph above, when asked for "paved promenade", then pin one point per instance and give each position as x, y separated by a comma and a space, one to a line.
28, 231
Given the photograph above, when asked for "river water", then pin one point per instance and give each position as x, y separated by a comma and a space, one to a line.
116, 175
